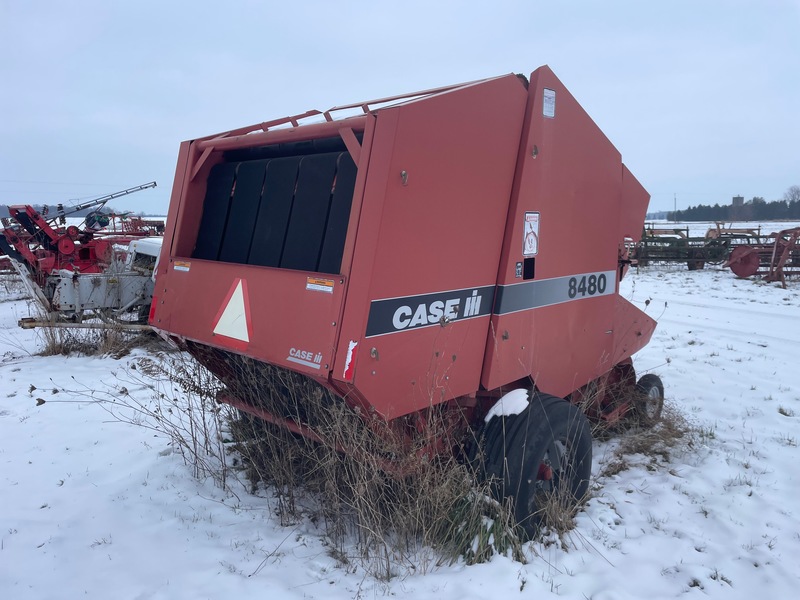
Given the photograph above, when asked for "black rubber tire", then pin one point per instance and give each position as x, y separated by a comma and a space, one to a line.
550, 432
696, 260
716, 252
649, 401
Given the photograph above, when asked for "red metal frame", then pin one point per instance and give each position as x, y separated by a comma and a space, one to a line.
452, 422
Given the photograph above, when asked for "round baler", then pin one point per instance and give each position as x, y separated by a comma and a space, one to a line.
451, 256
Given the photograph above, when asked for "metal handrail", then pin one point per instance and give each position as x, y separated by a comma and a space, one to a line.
366, 107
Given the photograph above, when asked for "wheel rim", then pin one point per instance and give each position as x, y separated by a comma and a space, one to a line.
651, 406
555, 459
552, 474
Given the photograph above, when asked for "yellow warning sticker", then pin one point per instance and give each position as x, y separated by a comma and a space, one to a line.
182, 265
317, 284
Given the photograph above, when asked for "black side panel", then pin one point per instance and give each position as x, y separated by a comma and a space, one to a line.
215, 211
273, 214
309, 212
243, 211
330, 261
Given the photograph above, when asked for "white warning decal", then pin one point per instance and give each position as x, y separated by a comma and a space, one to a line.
317, 284
530, 243
549, 103
233, 320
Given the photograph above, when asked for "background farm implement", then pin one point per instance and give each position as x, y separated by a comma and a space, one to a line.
774, 259
72, 269
664, 244
747, 251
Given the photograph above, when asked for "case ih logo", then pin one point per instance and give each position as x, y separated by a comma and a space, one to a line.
308, 358
427, 310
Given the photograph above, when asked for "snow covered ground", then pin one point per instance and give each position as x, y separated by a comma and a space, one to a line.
92, 507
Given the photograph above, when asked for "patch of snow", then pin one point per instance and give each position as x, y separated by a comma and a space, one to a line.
513, 403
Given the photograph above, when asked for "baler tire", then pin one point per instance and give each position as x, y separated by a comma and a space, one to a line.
649, 401
496, 436
547, 458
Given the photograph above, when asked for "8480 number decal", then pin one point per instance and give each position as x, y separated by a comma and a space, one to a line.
587, 285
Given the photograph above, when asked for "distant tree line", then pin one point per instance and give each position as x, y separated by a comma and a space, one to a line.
755, 209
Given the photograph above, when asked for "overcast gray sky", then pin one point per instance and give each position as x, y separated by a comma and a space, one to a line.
702, 97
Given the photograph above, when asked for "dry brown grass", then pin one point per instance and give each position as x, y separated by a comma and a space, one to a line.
113, 341
670, 433
417, 512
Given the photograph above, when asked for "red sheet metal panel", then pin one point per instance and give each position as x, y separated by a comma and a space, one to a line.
635, 200
554, 316
428, 246
632, 330
279, 316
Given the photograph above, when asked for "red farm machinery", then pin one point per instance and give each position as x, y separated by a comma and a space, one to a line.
775, 257
74, 266
408, 260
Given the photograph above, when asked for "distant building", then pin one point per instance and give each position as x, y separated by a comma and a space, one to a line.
738, 200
